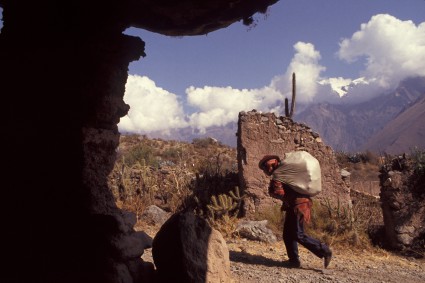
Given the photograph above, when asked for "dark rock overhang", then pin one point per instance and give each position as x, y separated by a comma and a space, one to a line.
193, 17
168, 17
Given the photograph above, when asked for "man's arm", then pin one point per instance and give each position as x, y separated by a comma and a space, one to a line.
276, 189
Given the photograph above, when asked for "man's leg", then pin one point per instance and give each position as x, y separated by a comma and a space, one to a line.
290, 238
318, 248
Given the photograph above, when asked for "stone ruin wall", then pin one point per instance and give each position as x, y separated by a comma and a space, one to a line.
403, 205
265, 133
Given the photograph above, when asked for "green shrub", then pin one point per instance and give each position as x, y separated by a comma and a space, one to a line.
418, 157
142, 154
172, 154
203, 142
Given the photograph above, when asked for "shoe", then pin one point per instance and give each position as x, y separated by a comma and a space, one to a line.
327, 259
292, 264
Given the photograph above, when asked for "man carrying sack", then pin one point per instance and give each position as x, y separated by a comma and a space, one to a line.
294, 180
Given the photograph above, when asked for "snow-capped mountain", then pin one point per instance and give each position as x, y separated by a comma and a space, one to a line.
341, 85
349, 126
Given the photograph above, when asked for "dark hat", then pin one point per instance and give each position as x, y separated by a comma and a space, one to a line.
265, 159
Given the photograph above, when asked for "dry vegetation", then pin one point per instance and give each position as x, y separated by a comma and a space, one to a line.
363, 166
202, 176
171, 174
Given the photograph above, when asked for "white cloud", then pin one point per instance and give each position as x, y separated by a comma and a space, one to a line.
151, 107
393, 49
305, 65
221, 105
155, 109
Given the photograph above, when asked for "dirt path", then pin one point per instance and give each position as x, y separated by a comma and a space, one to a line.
254, 262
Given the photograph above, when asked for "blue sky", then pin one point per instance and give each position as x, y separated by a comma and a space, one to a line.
341, 51
244, 57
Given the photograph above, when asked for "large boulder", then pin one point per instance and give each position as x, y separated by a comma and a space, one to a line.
186, 249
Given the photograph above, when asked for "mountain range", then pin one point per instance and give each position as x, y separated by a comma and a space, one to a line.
403, 133
392, 122
389, 122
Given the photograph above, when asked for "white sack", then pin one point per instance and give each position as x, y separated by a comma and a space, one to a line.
301, 171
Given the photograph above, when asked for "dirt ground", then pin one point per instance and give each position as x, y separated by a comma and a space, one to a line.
257, 262
254, 262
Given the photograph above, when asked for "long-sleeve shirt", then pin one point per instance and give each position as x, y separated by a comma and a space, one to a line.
291, 199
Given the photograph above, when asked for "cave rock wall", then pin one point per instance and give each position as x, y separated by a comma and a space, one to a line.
64, 66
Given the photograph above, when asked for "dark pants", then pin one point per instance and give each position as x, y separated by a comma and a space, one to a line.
293, 233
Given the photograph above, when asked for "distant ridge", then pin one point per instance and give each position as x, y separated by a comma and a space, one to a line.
349, 127
403, 133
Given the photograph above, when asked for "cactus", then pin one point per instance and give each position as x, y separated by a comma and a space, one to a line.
222, 206
288, 113
236, 195
293, 95
286, 107
222, 212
